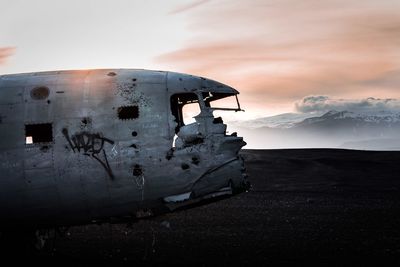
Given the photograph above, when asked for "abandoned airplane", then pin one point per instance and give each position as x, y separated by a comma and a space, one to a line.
93, 146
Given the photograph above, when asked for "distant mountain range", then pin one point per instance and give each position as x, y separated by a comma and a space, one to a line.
333, 129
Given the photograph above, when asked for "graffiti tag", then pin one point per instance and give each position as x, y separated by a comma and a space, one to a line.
92, 145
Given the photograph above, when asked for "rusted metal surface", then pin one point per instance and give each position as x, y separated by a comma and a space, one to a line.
118, 146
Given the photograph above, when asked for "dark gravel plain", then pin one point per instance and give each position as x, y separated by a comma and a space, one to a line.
306, 206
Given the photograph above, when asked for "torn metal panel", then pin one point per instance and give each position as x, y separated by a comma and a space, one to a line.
178, 198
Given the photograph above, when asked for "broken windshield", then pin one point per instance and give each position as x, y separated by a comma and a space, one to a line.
221, 101
184, 107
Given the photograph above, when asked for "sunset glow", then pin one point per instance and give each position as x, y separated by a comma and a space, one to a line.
274, 52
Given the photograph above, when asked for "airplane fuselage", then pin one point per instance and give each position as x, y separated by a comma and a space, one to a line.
92, 145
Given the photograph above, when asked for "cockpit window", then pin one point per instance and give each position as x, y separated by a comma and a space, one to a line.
189, 112
221, 101
184, 107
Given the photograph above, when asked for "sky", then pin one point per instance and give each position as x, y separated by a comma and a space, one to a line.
276, 53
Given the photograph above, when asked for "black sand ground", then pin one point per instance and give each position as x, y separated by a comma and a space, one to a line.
318, 206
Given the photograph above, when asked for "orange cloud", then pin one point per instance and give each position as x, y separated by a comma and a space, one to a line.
5, 52
285, 50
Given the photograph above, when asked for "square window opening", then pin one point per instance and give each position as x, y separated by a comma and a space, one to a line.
38, 133
128, 112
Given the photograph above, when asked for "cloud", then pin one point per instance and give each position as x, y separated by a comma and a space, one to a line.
323, 103
5, 52
283, 50
188, 7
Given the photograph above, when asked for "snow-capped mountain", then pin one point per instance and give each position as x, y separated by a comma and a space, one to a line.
290, 120
285, 120
331, 129
385, 117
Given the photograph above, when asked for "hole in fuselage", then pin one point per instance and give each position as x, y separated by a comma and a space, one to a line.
38, 133
133, 146
195, 160
137, 170
184, 166
39, 93
128, 112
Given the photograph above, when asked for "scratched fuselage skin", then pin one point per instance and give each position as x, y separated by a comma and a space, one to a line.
101, 165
